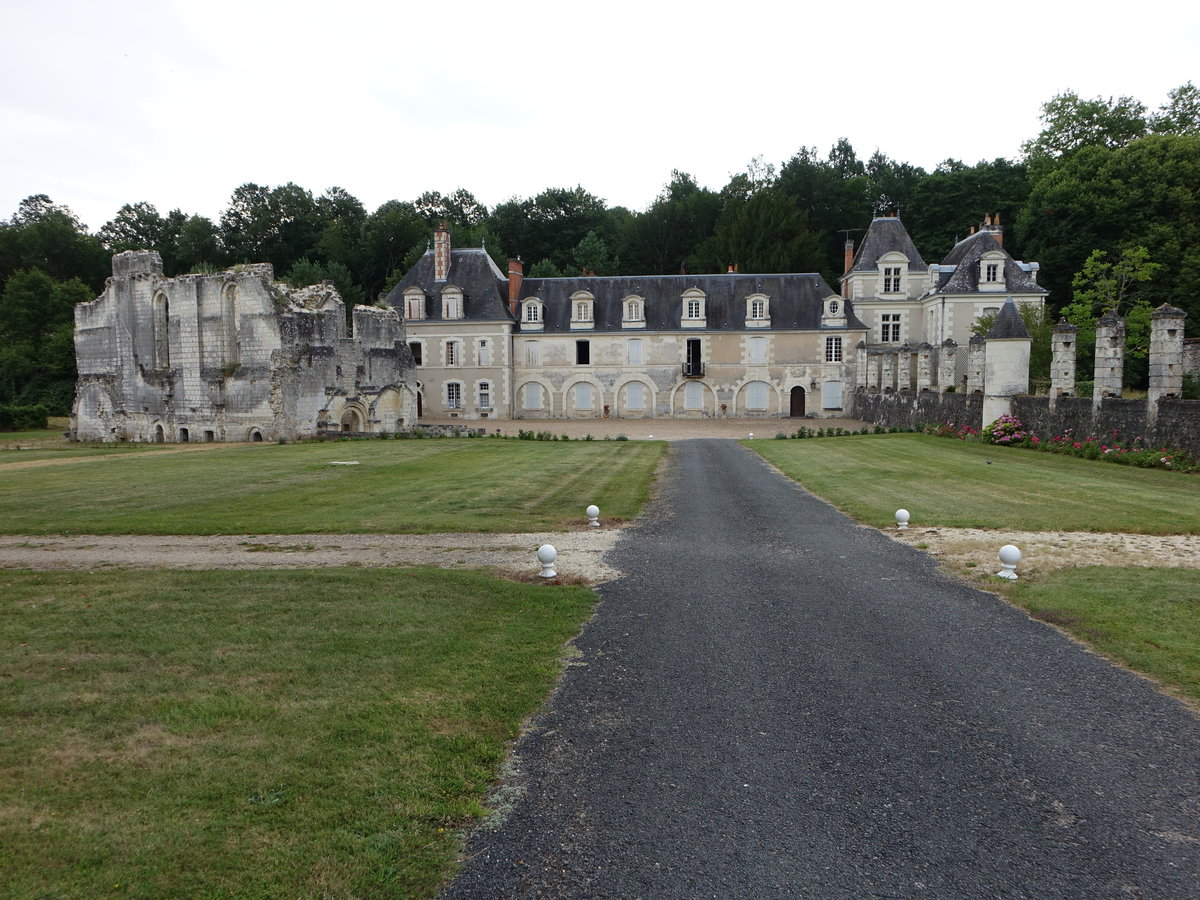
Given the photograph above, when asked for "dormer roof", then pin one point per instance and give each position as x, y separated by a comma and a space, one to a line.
887, 234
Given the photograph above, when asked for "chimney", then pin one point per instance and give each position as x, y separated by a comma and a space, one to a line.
849, 253
441, 252
729, 271
516, 274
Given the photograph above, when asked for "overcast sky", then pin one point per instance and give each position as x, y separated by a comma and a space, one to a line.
177, 102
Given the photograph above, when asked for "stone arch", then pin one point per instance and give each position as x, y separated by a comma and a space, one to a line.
159, 436
520, 410
679, 398
741, 398
569, 398
620, 403
255, 435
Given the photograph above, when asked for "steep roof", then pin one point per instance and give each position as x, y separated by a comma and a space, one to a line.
965, 256
484, 286
796, 300
887, 234
1009, 323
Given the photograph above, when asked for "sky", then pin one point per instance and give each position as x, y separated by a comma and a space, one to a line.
177, 102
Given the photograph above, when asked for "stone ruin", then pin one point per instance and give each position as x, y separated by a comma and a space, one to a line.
233, 356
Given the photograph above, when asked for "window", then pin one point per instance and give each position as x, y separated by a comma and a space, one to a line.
891, 279
414, 304
633, 310
533, 396
756, 395
635, 351
635, 396
833, 307
693, 308
833, 349
532, 355
162, 341
532, 316
415, 347
483, 353
453, 395
991, 272
583, 353
485, 395
758, 311
452, 307
693, 395
693, 364
757, 351
583, 396
452, 354
889, 330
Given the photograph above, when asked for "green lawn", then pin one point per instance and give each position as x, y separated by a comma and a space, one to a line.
253, 734
412, 486
1148, 619
949, 483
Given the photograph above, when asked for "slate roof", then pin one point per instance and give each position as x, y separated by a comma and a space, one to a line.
796, 300
887, 234
1009, 323
965, 256
484, 286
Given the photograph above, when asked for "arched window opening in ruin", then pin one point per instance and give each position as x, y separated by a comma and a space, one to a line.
351, 421
229, 341
256, 436
184, 437
162, 341
159, 434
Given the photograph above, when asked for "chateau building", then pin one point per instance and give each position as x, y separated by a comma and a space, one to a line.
489, 344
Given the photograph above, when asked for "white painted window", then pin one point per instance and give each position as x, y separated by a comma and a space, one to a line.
831, 395
693, 308
634, 310
533, 355
453, 356
583, 396
833, 349
533, 396
756, 395
635, 396
485, 395
891, 280
635, 351
583, 311
693, 395
991, 272
452, 305
889, 330
453, 395
483, 352
533, 311
757, 347
414, 304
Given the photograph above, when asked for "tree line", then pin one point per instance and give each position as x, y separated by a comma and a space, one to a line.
1106, 176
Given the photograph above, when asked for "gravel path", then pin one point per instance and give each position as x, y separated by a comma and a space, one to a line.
778, 703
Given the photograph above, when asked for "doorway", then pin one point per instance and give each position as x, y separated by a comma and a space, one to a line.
797, 402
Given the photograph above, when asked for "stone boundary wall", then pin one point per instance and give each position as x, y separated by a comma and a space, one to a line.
1178, 425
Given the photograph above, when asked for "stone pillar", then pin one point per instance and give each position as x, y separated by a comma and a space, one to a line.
947, 363
1110, 357
924, 366
1166, 357
1006, 363
860, 365
1062, 364
887, 376
904, 368
873, 370
976, 352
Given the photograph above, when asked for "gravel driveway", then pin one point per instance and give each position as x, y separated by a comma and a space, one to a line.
776, 702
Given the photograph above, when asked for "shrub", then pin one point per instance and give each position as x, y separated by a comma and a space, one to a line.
23, 418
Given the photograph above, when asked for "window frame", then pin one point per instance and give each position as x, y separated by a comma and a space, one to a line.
833, 349
453, 395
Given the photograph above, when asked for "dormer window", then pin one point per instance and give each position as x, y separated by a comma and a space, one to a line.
991, 272
693, 313
414, 304
893, 266
758, 311
531, 315
633, 312
452, 303
582, 304
891, 279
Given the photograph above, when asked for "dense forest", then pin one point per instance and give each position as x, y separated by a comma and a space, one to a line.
1104, 198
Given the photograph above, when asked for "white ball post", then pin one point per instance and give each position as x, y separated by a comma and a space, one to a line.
593, 514
546, 556
1009, 557
902, 518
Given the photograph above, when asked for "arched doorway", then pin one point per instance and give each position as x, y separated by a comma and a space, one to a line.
797, 402
420, 404
159, 435
351, 421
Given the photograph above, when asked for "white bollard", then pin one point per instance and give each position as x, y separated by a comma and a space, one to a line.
902, 518
1009, 557
593, 514
651, 437
752, 435
546, 556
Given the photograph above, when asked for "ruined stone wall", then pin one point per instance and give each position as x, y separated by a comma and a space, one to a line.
232, 356
911, 410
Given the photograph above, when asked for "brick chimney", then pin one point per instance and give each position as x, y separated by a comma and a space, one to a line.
849, 255
441, 252
516, 274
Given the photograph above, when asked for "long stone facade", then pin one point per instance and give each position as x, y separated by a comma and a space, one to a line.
233, 356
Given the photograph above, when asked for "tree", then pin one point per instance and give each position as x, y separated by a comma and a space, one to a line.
1119, 285
1041, 329
136, 226
1071, 123
591, 255
45, 236
458, 208
946, 201
306, 272
37, 359
682, 217
1180, 114
393, 238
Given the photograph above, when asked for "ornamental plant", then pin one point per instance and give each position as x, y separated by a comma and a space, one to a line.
1007, 431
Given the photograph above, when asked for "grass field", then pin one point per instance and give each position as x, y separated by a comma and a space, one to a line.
427, 486
949, 483
246, 734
